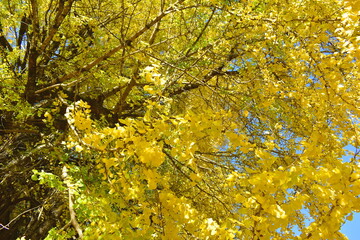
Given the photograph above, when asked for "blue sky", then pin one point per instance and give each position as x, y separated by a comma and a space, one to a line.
352, 228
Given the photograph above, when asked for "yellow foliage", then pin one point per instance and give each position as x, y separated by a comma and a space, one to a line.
192, 119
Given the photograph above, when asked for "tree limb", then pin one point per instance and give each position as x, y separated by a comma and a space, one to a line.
120, 46
59, 18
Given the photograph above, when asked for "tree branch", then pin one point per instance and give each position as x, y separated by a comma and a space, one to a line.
120, 46
73, 220
201, 33
120, 104
33, 54
59, 18
3, 41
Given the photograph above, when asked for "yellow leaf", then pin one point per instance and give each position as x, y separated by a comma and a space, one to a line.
195, 177
246, 113
151, 177
149, 89
152, 156
277, 211
109, 162
78, 148
350, 217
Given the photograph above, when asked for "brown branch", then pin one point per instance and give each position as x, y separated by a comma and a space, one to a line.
3, 41
174, 161
25, 22
6, 226
187, 87
113, 91
92, 64
201, 33
18, 131
62, 12
120, 46
191, 86
107, 94
33, 54
73, 220
154, 33
120, 104
57, 86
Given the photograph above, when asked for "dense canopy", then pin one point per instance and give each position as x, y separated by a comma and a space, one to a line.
162, 119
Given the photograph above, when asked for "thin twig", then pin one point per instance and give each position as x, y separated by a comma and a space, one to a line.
8, 224
73, 220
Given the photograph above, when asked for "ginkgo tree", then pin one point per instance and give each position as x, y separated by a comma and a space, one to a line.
179, 119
